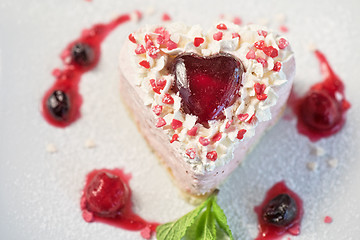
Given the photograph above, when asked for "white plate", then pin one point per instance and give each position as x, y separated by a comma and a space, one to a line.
40, 192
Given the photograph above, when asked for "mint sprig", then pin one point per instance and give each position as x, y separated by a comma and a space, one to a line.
204, 222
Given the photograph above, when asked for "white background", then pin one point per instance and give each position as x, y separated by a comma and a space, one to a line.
40, 192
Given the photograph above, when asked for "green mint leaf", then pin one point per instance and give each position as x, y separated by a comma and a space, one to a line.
221, 219
198, 224
204, 225
176, 230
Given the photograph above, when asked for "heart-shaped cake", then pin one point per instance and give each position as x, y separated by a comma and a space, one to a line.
202, 100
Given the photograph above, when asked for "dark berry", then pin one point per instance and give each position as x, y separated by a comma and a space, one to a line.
320, 111
280, 211
82, 54
106, 194
59, 105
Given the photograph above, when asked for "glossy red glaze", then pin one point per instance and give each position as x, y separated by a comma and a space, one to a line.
207, 85
106, 194
68, 78
321, 112
272, 232
107, 198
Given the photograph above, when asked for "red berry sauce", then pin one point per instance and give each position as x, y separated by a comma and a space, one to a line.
80, 56
270, 231
321, 112
207, 85
106, 198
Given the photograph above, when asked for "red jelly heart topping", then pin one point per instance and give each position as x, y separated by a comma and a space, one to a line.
106, 194
207, 85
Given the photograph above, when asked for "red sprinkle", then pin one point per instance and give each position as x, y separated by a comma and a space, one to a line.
175, 124
271, 51
328, 219
283, 43
153, 51
157, 109
192, 132
259, 44
259, 90
250, 54
171, 45
262, 33
284, 28
235, 35
132, 38
140, 49
261, 97
157, 85
228, 124
204, 141
145, 64
212, 156
160, 122
153, 85
148, 41
218, 36
164, 36
161, 82
243, 117
237, 21
167, 99
147, 38
159, 30
277, 66
166, 17
174, 138
191, 152
241, 134
216, 137
262, 61
221, 26
198, 41
252, 119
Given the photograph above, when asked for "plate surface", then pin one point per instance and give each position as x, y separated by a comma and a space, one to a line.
40, 191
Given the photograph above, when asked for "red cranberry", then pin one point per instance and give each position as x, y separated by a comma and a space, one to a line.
58, 105
280, 211
207, 85
320, 111
82, 54
106, 194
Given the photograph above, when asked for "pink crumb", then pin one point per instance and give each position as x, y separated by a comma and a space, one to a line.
146, 232
328, 219
237, 21
138, 14
87, 216
166, 17
284, 28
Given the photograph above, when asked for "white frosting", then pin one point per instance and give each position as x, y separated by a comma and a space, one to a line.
246, 103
